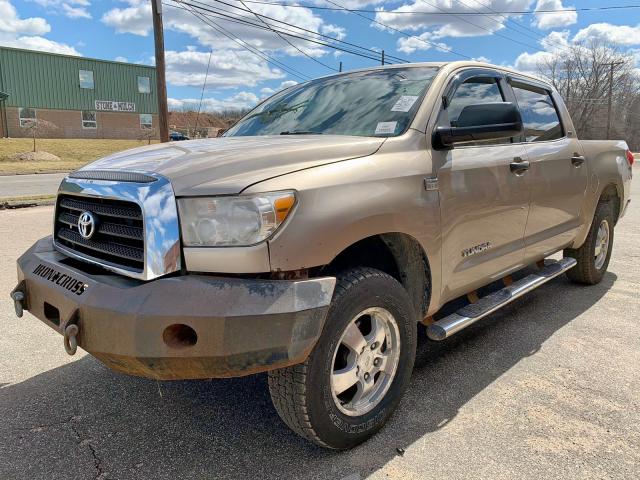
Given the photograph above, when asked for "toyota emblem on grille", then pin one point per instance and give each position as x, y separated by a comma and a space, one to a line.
87, 225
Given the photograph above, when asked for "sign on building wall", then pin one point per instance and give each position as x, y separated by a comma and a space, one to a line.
110, 106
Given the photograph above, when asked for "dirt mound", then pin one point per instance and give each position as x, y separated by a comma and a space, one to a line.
33, 157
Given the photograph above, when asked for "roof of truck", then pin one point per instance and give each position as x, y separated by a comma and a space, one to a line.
453, 65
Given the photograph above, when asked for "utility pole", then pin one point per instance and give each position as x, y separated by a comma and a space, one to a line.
612, 67
161, 84
340, 68
382, 57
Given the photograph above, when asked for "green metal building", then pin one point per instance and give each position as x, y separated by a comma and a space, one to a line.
75, 97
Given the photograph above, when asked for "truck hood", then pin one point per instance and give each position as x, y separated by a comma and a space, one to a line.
227, 165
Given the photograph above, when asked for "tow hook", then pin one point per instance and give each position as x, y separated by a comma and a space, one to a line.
70, 341
18, 298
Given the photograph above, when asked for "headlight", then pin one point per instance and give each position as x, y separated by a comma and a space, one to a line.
233, 221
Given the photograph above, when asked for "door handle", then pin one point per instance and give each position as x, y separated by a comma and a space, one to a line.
519, 166
577, 160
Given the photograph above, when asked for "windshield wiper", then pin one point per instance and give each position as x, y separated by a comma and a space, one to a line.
300, 132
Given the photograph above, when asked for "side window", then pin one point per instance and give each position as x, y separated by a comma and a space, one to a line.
146, 120
144, 85
539, 114
27, 116
86, 78
472, 91
89, 119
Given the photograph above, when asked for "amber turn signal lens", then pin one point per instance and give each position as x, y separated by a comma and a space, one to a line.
283, 206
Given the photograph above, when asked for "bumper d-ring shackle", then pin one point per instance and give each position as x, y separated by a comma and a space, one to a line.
70, 341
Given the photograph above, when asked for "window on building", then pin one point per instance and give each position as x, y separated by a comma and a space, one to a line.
86, 78
146, 120
144, 85
539, 114
27, 116
89, 119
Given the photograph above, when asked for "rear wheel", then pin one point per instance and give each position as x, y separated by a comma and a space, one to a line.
594, 254
354, 378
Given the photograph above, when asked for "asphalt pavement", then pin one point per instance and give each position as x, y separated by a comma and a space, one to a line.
548, 387
30, 185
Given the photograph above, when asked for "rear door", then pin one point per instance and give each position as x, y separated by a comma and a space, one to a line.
483, 203
558, 172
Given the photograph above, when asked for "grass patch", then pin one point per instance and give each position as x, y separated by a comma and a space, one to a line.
73, 153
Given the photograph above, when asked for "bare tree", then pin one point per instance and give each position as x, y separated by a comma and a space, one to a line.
37, 128
581, 73
147, 134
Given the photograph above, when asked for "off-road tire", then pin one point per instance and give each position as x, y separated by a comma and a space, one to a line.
585, 272
302, 394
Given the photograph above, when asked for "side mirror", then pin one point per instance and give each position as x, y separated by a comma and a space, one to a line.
482, 121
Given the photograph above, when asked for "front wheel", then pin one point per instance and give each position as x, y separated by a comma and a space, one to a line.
594, 254
354, 378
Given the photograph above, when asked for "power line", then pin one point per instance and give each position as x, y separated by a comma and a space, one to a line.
256, 51
402, 32
498, 34
287, 40
204, 86
508, 20
505, 12
300, 28
225, 14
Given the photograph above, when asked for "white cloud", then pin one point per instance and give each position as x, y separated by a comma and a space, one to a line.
624, 35
482, 58
136, 19
556, 41
69, 8
228, 69
424, 41
333, 31
240, 100
553, 43
546, 21
11, 23
451, 25
27, 33
121, 59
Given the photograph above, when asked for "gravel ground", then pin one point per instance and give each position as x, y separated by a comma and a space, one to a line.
546, 388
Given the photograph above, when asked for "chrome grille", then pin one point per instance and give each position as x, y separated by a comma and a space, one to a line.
119, 236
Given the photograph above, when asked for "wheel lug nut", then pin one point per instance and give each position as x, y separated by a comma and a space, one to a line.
366, 376
374, 345
376, 362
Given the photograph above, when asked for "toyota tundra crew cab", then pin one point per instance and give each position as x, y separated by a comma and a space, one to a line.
323, 232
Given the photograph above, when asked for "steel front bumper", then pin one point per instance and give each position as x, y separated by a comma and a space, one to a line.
233, 327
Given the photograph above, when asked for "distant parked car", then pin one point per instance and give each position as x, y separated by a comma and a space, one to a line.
177, 136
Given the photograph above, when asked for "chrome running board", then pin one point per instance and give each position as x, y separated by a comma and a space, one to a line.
470, 314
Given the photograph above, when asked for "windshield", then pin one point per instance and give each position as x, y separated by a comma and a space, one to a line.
376, 103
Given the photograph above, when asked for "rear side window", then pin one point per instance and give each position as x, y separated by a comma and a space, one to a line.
539, 114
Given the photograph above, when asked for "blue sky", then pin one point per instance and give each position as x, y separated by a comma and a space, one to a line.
121, 30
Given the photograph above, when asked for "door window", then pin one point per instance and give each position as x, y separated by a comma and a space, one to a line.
473, 91
539, 113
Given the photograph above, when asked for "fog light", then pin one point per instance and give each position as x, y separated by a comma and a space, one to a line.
179, 335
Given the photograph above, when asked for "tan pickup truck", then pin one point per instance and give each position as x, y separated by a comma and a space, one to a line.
323, 232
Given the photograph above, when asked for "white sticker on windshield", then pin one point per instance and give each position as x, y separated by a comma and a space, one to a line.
386, 127
404, 103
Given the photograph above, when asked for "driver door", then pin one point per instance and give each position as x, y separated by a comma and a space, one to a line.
483, 203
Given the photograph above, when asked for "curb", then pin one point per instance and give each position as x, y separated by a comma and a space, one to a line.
14, 203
